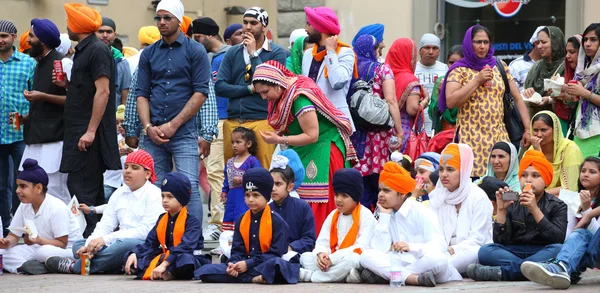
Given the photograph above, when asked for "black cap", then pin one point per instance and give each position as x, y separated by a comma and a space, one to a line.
205, 26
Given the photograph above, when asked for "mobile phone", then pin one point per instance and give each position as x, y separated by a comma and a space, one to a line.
419, 180
510, 196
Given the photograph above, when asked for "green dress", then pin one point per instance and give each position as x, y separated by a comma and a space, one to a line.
315, 157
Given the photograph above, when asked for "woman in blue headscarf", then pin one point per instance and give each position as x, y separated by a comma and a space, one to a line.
503, 164
372, 145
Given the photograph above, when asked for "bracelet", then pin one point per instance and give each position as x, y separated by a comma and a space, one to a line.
92, 210
591, 96
250, 90
147, 126
285, 141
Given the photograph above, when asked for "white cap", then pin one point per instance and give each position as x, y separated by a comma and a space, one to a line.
296, 34
535, 37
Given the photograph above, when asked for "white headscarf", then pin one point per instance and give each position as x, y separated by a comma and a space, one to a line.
443, 201
65, 44
174, 7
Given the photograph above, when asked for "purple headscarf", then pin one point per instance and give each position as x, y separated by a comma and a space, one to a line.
364, 47
470, 60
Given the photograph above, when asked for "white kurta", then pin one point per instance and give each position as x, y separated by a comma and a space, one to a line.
470, 230
418, 226
342, 260
49, 156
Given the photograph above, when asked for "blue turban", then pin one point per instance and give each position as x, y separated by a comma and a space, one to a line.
179, 186
349, 181
375, 30
32, 172
46, 31
260, 180
230, 30
296, 164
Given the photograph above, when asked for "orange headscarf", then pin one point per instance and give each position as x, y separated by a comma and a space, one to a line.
539, 162
23, 44
161, 233
319, 56
396, 178
265, 233
82, 19
451, 156
350, 238
185, 24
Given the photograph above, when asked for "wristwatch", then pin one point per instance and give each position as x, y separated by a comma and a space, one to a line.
254, 54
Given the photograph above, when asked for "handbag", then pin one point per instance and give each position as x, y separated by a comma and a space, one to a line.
512, 116
418, 139
369, 111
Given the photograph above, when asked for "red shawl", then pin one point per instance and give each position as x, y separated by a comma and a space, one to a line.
402, 59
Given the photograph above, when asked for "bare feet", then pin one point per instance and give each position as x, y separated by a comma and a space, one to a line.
259, 280
167, 276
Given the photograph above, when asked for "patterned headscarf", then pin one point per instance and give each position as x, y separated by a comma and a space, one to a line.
258, 13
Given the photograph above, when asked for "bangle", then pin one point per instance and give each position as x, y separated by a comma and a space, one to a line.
92, 210
591, 96
250, 90
285, 141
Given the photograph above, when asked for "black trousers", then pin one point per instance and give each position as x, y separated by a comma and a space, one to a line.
87, 184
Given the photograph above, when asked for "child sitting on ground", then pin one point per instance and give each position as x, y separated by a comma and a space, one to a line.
173, 240
259, 241
345, 233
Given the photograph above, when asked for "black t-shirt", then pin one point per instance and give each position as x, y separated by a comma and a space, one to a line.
44, 123
92, 60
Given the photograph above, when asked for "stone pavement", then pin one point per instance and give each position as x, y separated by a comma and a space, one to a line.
114, 283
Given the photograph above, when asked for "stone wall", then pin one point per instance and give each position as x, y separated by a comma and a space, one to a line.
291, 16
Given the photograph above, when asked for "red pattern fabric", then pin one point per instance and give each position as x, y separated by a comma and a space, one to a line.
322, 210
144, 159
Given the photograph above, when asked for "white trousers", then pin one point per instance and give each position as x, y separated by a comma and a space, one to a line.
57, 186
336, 273
224, 239
438, 263
462, 258
17, 255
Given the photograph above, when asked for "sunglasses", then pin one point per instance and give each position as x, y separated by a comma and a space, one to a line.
166, 18
248, 71
481, 42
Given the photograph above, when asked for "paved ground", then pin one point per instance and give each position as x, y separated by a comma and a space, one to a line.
90, 284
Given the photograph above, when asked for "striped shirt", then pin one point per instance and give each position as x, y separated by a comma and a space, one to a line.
16, 75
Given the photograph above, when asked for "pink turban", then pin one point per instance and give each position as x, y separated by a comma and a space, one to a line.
323, 19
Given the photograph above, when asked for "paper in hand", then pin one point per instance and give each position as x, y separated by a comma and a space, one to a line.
572, 199
76, 212
31, 229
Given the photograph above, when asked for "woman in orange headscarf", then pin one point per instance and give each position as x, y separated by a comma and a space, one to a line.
402, 58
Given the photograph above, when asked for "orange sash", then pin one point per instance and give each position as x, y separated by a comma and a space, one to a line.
319, 56
350, 238
265, 232
161, 233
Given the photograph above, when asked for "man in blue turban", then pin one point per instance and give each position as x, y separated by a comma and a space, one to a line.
375, 30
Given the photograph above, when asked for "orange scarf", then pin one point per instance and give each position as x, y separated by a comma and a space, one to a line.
161, 233
350, 238
319, 56
265, 232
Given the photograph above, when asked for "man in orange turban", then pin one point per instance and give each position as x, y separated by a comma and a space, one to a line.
82, 19
23, 44
532, 228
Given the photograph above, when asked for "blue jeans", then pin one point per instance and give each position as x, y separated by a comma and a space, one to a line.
9, 152
183, 149
580, 250
109, 259
108, 191
509, 258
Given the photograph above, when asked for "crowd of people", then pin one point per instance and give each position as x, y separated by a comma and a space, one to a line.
473, 168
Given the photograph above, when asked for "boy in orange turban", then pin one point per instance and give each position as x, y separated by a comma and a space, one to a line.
407, 233
532, 228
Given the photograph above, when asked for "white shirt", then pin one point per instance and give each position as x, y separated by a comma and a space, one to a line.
365, 233
134, 61
114, 178
414, 224
134, 213
67, 65
265, 47
472, 227
53, 220
519, 68
427, 76
48, 155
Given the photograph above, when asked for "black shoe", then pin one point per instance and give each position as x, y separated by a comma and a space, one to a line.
427, 279
372, 278
59, 265
33, 267
575, 277
479, 272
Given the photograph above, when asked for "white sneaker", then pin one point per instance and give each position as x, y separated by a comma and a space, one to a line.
305, 275
354, 277
211, 233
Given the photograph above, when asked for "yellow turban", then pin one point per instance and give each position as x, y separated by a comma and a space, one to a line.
23, 44
121, 112
396, 178
148, 35
82, 19
130, 51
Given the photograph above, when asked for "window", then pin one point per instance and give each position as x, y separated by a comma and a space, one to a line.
98, 2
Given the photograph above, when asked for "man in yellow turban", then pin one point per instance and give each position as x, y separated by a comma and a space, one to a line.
409, 227
147, 36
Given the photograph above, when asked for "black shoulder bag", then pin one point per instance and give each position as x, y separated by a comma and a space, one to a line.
512, 117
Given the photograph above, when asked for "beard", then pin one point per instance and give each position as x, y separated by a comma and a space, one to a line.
36, 50
314, 38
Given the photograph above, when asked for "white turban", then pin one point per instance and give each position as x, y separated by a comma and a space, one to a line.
174, 7
65, 44
429, 40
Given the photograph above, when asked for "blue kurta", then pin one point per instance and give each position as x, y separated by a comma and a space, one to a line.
268, 264
181, 257
301, 221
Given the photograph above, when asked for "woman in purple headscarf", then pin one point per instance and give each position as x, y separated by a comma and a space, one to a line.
475, 86
372, 145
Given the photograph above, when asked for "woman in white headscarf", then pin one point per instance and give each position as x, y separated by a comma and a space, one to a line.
464, 210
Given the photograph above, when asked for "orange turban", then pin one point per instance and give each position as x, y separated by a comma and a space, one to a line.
23, 44
185, 24
451, 156
539, 162
82, 19
396, 178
